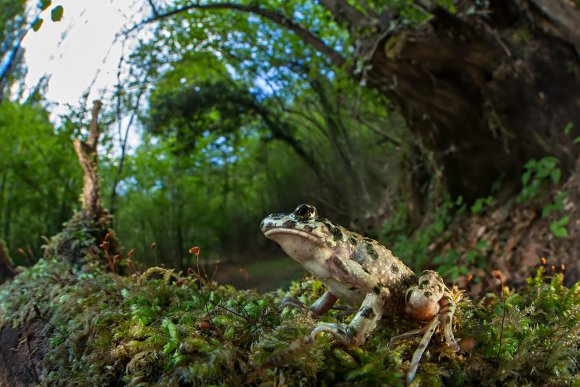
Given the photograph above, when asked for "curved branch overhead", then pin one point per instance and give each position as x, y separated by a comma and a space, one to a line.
346, 14
305, 34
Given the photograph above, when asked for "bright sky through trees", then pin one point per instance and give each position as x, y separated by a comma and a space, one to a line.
81, 48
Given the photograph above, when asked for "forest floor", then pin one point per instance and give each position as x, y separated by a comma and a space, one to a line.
263, 275
63, 321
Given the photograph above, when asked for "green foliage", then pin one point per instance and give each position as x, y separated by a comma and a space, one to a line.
540, 332
44, 4
166, 328
56, 13
37, 24
480, 204
557, 205
537, 174
415, 249
221, 151
558, 227
10, 19
452, 265
39, 176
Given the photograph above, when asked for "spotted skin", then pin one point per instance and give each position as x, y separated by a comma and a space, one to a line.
364, 274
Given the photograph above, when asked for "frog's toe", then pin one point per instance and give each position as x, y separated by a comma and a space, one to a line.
292, 302
343, 333
454, 346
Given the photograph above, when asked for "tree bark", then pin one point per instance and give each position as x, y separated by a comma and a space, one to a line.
486, 93
88, 158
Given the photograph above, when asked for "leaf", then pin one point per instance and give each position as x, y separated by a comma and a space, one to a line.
170, 328
56, 13
44, 4
558, 228
568, 128
169, 347
577, 140
37, 23
555, 175
558, 231
526, 177
563, 220
530, 164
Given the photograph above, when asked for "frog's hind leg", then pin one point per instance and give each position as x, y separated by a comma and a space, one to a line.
429, 331
446, 317
429, 301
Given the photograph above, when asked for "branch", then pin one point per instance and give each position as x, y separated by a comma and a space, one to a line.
14, 55
123, 140
154, 9
87, 155
346, 13
564, 16
94, 126
306, 35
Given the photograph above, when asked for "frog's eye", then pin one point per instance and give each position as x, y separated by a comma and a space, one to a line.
305, 211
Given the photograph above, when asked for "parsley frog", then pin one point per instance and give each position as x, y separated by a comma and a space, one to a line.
363, 274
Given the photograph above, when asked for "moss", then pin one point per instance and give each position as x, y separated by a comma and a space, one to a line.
166, 328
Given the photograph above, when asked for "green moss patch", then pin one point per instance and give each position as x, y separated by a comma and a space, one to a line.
167, 328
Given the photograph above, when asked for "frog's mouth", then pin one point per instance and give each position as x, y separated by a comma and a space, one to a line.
302, 246
278, 234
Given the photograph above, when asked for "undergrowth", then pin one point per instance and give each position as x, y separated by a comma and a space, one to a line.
167, 328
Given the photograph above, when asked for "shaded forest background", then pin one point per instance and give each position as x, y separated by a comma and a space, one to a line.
447, 130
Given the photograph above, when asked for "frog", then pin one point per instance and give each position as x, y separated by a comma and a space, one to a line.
364, 275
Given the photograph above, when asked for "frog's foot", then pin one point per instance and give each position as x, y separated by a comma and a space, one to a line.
291, 302
340, 331
430, 329
361, 326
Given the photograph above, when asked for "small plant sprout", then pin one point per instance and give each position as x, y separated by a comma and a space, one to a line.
497, 274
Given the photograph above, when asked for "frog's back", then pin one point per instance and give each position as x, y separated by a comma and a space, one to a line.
381, 263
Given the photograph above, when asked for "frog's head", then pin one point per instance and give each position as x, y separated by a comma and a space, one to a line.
302, 234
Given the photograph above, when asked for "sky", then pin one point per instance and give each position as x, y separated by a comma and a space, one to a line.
80, 50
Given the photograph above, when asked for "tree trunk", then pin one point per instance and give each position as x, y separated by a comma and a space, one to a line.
486, 93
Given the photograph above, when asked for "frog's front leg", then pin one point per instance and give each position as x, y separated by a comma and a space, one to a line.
361, 326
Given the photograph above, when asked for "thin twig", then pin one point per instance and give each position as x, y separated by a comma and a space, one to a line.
32, 361
247, 318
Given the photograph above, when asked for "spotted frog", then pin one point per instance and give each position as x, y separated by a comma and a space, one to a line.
363, 274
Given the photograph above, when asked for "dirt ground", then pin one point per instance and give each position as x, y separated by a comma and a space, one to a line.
21, 352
